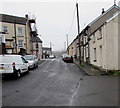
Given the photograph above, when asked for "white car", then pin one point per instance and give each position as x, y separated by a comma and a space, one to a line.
52, 56
32, 61
13, 64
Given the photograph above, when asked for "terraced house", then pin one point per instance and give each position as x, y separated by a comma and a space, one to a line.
15, 33
100, 40
105, 40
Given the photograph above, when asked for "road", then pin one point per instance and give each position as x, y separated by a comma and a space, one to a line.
56, 83
53, 83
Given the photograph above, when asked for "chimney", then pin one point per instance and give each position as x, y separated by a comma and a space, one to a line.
103, 11
26, 16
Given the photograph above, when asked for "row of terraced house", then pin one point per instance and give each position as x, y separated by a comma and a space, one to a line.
100, 41
18, 35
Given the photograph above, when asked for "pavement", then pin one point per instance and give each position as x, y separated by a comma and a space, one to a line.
90, 69
41, 61
97, 91
56, 83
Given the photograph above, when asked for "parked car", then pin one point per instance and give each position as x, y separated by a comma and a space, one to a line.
32, 61
13, 64
52, 56
67, 58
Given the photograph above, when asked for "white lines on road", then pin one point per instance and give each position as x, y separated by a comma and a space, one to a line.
75, 92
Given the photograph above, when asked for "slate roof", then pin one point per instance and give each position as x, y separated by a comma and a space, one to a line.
12, 19
36, 39
99, 21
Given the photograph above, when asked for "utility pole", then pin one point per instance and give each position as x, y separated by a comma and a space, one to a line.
67, 40
67, 43
78, 33
64, 46
51, 48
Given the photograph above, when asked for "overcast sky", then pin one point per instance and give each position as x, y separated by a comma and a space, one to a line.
56, 18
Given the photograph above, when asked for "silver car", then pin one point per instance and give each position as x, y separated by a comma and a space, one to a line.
32, 61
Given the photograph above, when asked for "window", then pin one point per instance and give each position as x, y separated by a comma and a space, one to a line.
5, 29
14, 44
20, 43
100, 31
82, 52
23, 60
20, 32
2, 38
93, 38
36, 45
95, 55
87, 52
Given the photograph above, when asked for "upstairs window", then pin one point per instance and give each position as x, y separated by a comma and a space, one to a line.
95, 56
5, 29
100, 32
2, 38
20, 32
93, 38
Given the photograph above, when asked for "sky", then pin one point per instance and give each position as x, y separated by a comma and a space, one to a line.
55, 19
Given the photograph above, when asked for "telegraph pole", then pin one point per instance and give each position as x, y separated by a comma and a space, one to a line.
67, 43
78, 33
67, 40
51, 48
64, 46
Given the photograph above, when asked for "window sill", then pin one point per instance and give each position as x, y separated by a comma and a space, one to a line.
20, 47
20, 35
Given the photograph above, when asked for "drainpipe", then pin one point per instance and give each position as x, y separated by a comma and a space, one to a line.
15, 36
26, 36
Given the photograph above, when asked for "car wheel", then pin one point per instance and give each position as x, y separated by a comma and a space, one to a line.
18, 74
34, 66
27, 71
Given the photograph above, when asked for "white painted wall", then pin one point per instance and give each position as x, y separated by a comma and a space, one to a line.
107, 48
39, 52
119, 41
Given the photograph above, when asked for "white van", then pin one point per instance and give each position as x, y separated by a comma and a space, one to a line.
13, 64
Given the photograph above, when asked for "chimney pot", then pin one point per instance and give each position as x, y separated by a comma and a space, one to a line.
103, 11
26, 16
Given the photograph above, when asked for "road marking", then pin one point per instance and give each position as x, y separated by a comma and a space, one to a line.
75, 91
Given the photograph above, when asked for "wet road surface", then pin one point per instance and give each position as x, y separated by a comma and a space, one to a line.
53, 83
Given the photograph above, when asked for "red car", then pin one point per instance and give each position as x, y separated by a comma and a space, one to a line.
67, 58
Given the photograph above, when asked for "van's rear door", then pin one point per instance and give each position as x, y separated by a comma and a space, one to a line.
5, 64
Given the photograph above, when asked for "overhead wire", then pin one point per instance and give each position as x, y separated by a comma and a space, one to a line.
72, 21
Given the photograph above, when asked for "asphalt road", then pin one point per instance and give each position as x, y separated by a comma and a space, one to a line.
53, 83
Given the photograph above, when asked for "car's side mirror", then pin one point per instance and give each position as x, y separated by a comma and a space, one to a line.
26, 61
